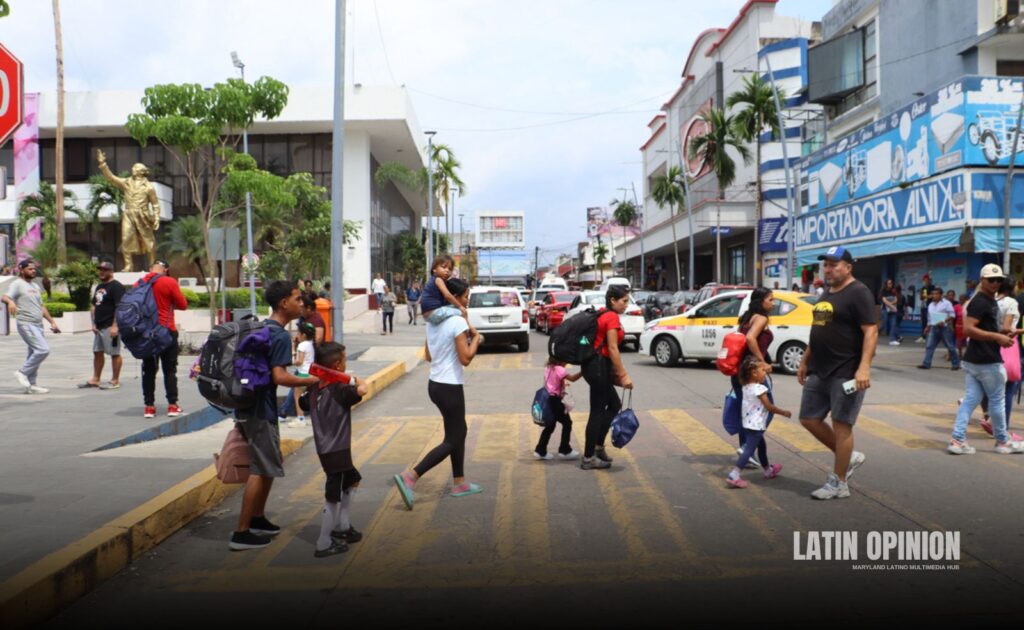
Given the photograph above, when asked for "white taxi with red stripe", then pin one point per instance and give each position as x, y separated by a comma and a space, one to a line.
698, 332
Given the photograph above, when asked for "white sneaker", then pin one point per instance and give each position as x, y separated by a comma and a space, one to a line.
1010, 448
573, 454
298, 423
959, 448
856, 459
35, 389
833, 489
894, 343
22, 380
545, 456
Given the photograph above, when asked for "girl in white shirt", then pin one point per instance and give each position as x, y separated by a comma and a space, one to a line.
755, 413
303, 358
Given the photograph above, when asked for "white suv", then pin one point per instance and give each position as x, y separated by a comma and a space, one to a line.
632, 320
500, 315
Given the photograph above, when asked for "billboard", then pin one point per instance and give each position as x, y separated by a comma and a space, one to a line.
502, 264
968, 122
601, 222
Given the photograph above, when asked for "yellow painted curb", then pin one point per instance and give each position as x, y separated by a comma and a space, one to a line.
57, 580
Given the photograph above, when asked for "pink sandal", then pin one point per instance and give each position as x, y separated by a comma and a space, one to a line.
736, 483
772, 471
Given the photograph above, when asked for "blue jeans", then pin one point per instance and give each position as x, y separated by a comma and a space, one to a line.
979, 379
891, 324
944, 334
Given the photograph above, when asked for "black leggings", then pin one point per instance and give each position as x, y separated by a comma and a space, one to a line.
604, 402
388, 321
451, 401
561, 415
168, 362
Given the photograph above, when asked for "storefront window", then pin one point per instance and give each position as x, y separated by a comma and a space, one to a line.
737, 257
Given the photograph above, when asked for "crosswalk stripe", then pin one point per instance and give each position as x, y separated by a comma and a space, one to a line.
700, 440
894, 435
504, 525
403, 447
942, 417
795, 434
498, 439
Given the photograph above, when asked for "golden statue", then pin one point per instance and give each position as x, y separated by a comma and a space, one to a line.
140, 216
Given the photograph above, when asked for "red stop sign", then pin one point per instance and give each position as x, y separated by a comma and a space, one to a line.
11, 93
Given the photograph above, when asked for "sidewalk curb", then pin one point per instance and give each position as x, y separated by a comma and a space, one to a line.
60, 578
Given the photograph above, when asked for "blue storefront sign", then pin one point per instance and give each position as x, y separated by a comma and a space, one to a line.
932, 206
772, 234
969, 122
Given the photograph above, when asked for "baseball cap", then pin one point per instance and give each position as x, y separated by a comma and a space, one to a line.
26, 263
992, 270
837, 253
159, 261
105, 264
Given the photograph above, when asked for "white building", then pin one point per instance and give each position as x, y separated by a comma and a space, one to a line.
380, 126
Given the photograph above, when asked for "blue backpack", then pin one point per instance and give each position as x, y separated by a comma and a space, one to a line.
624, 425
138, 322
540, 410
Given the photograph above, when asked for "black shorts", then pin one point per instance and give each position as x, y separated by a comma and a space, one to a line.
340, 482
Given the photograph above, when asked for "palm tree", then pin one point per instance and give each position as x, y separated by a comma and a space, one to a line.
667, 191
600, 255
446, 177
625, 213
185, 238
712, 148
758, 112
43, 205
101, 194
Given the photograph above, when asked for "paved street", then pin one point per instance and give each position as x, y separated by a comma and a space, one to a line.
658, 535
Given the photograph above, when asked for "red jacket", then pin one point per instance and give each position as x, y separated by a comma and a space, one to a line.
168, 297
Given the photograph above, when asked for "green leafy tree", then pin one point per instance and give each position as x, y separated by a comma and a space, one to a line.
625, 213
412, 255
757, 112
668, 192
712, 147
446, 177
43, 205
202, 128
601, 255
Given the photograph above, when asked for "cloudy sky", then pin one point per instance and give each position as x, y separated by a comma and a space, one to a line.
544, 101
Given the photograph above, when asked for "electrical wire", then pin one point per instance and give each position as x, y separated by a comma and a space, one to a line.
380, 33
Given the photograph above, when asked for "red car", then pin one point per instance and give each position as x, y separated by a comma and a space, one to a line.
552, 310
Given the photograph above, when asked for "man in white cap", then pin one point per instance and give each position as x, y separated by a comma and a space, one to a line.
984, 372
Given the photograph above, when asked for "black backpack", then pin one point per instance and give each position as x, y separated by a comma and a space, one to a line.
573, 341
217, 382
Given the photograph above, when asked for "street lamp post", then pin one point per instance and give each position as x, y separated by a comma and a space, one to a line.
248, 201
790, 232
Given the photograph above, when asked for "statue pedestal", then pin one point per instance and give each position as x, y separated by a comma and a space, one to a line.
128, 278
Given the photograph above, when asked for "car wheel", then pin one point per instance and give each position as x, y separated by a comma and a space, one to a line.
524, 343
790, 356
666, 351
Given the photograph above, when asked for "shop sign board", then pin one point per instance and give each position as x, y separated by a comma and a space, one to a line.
937, 204
969, 122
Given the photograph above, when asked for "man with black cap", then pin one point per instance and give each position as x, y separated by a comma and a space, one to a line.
984, 372
168, 297
25, 303
836, 368
105, 298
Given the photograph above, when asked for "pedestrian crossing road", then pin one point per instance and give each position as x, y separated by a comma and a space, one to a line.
661, 524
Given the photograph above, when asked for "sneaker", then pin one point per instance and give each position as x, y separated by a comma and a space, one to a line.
337, 546
544, 456
1010, 448
894, 343
856, 459
833, 489
736, 483
601, 454
404, 491
753, 462
149, 412
22, 380
297, 423
35, 389
348, 536
573, 454
955, 368
241, 541
590, 463
956, 447
924, 367
773, 471
466, 489
260, 526
173, 411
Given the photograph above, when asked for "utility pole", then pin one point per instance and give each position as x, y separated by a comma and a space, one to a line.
248, 196
337, 180
643, 225
430, 198
536, 262
1008, 195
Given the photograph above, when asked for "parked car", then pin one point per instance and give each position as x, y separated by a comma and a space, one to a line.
697, 334
712, 289
554, 282
607, 282
680, 301
552, 310
632, 320
534, 303
654, 304
499, 313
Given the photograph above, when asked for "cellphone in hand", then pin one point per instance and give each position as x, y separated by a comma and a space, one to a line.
850, 386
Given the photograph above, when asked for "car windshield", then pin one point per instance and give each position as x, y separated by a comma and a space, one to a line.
562, 297
492, 299
594, 298
538, 296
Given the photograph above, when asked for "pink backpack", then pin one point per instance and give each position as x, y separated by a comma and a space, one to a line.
232, 463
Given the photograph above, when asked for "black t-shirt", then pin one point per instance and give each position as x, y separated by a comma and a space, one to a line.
332, 425
986, 311
837, 340
280, 355
105, 299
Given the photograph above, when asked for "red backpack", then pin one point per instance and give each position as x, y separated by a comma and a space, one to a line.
734, 348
